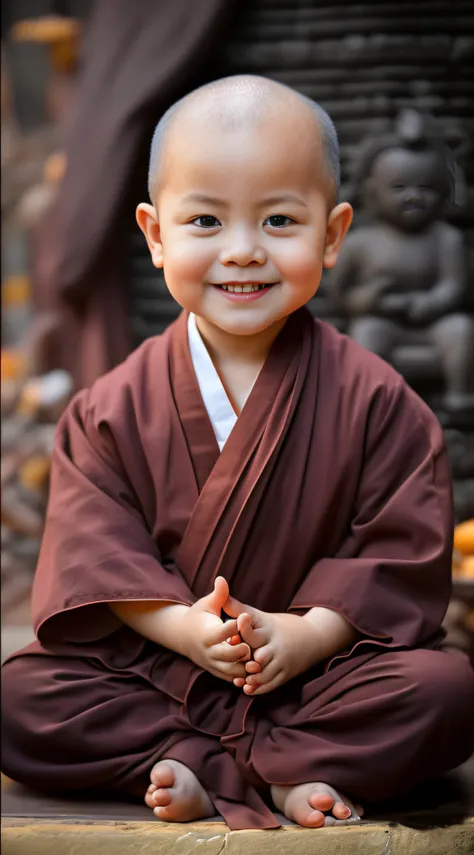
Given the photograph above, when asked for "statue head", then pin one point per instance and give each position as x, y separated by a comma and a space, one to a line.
407, 177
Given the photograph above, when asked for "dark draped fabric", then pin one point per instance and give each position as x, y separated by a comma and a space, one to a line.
332, 490
138, 59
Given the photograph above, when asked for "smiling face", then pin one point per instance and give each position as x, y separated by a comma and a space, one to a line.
241, 225
407, 187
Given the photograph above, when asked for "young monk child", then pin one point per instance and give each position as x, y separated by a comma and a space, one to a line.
246, 560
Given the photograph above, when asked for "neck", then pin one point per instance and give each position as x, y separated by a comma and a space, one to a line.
245, 349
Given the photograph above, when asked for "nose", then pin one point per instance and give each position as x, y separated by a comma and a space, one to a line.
413, 194
242, 247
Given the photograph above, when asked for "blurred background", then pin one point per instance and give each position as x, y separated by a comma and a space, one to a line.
84, 83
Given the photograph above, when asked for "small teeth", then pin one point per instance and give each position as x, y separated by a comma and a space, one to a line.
243, 289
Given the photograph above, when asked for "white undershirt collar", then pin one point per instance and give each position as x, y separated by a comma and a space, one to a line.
219, 409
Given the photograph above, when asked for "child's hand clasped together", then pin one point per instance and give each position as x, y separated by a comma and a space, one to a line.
284, 645
257, 651
196, 632
206, 638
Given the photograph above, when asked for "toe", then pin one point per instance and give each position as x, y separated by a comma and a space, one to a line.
149, 800
341, 811
162, 775
325, 798
345, 810
161, 798
321, 801
163, 813
314, 819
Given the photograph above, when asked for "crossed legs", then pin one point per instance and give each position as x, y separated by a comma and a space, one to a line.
371, 733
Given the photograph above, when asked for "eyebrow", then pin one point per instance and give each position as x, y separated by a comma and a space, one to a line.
202, 199
286, 197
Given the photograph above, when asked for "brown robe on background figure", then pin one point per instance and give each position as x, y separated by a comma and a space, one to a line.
138, 59
332, 490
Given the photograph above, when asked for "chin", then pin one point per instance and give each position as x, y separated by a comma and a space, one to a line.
246, 326
244, 329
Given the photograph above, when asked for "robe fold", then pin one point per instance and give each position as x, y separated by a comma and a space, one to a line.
333, 489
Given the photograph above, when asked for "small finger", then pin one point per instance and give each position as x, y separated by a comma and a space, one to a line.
265, 675
229, 671
227, 653
265, 688
239, 682
254, 636
263, 656
253, 667
222, 632
233, 607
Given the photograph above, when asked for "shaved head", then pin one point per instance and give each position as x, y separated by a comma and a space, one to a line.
248, 100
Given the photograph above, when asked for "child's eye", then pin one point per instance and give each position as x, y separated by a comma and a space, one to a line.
206, 221
278, 221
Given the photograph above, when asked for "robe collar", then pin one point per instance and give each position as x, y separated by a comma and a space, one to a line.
267, 415
218, 406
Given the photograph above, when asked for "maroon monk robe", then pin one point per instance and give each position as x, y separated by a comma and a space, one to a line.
332, 490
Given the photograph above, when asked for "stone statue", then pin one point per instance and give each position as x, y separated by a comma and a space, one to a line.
401, 276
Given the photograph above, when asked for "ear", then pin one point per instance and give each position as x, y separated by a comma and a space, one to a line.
148, 222
337, 227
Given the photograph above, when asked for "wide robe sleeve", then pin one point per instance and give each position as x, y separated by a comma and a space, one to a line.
97, 547
391, 575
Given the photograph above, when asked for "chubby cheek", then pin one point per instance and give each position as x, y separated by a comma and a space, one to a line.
186, 265
301, 265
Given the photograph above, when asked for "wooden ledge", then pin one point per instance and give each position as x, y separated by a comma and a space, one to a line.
49, 837
440, 822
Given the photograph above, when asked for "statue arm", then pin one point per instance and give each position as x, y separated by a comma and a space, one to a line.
448, 293
356, 294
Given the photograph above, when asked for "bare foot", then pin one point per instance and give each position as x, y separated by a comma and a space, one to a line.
175, 794
309, 804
